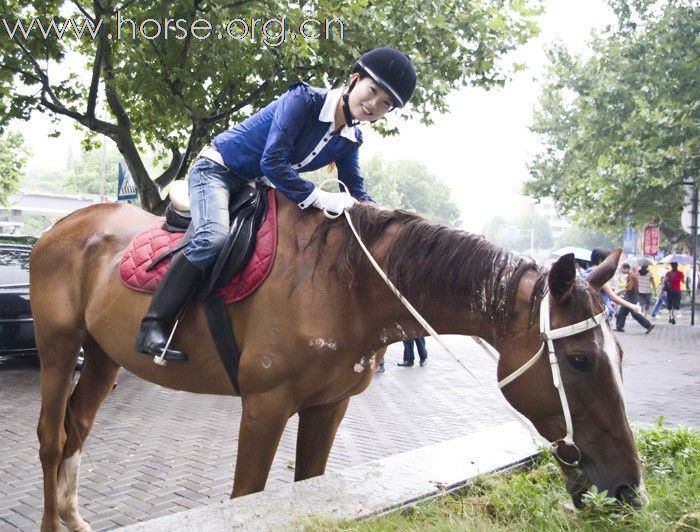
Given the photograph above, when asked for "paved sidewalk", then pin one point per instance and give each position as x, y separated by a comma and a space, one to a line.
154, 451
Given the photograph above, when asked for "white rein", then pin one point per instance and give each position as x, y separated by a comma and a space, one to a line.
546, 334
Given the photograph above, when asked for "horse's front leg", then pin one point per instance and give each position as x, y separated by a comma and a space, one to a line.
263, 420
317, 428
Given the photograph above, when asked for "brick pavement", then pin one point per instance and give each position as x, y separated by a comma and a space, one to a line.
154, 451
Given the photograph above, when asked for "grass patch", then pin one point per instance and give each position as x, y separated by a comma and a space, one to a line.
535, 499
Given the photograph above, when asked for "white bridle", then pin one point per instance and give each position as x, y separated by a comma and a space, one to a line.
548, 336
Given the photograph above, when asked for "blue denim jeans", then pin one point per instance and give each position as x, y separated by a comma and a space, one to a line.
211, 187
409, 356
660, 302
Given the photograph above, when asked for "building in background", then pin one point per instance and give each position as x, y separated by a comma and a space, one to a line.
32, 212
546, 208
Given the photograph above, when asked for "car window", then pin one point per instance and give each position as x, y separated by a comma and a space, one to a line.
14, 266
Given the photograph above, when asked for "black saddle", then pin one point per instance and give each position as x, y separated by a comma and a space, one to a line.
247, 213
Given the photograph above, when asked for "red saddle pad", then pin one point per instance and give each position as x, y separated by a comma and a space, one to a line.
153, 241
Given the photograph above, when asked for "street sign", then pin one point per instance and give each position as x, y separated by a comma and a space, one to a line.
651, 240
127, 187
629, 240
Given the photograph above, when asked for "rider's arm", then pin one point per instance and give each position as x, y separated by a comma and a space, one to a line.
349, 173
617, 299
291, 113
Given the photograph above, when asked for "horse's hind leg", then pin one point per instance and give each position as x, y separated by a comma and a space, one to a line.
317, 428
58, 353
96, 381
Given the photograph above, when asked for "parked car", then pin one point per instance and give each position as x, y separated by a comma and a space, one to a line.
16, 323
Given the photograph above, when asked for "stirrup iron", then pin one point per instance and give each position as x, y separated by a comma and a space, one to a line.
160, 359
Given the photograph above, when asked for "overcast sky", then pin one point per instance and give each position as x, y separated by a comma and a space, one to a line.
480, 148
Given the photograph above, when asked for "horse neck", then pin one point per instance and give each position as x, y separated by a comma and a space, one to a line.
472, 315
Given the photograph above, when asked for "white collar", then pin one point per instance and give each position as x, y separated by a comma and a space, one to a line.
328, 113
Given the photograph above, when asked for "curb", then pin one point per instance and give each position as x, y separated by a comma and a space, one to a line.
366, 490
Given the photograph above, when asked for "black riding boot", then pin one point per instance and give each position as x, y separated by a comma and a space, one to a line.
181, 280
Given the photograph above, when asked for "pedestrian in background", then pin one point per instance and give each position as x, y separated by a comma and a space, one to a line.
646, 286
661, 298
609, 295
409, 357
674, 286
631, 294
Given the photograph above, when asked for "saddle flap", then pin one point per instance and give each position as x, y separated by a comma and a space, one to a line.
247, 214
145, 260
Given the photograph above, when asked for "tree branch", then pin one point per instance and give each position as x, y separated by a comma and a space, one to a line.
173, 169
113, 100
83, 11
25, 73
209, 120
95, 80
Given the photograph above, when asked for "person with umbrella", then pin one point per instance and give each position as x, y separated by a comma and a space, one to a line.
673, 283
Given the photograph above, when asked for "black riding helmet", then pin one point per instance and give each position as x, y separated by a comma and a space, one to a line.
391, 70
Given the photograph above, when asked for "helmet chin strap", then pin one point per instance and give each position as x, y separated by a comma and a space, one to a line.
349, 119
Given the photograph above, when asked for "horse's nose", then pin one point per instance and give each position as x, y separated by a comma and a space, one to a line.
634, 496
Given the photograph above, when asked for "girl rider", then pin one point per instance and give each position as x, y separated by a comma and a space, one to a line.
304, 129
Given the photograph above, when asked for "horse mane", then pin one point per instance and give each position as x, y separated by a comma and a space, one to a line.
426, 258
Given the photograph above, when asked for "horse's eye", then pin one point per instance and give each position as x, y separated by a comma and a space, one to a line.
580, 362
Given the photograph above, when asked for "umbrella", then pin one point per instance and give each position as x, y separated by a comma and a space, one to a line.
640, 261
579, 253
680, 258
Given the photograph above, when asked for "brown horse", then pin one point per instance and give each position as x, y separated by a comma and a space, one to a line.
312, 334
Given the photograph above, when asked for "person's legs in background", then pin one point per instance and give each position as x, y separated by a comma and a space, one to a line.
408, 356
621, 318
422, 352
660, 302
645, 302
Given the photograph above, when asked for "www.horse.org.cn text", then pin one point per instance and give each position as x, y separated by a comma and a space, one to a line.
270, 31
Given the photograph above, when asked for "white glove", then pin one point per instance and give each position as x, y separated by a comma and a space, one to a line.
332, 202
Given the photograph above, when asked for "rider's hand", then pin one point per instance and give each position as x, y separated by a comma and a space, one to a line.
334, 202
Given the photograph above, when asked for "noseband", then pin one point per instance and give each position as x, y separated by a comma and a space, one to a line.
547, 335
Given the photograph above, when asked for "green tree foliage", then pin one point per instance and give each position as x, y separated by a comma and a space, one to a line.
576, 235
406, 185
526, 231
13, 156
90, 175
622, 129
409, 185
172, 94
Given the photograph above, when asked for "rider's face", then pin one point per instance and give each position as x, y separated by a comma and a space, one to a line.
368, 101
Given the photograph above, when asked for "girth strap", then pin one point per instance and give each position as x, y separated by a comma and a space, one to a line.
224, 339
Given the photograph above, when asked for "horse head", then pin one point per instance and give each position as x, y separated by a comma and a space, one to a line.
573, 392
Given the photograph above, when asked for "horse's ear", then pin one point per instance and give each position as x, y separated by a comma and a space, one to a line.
603, 273
561, 276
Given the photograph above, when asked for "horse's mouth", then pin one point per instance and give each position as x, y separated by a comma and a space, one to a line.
577, 497
577, 485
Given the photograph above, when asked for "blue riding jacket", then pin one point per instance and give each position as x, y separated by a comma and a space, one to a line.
294, 134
